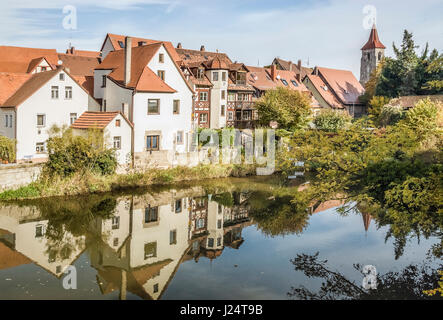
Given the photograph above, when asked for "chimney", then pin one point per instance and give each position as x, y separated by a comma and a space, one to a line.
72, 50
128, 57
298, 75
179, 45
273, 72
141, 43
202, 48
290, 65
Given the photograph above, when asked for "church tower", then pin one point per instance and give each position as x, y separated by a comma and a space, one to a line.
372, 53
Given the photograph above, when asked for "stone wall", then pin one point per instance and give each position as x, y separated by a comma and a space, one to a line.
17, 175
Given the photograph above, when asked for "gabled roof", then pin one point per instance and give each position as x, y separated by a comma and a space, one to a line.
325, 91
87, 82
191, 56
261, 79
83, 53
343, 83
286, 66
18, 59
373, 41
115, 38
289, 76
142, 78
98, 120
35, 62
79, 65
10, 83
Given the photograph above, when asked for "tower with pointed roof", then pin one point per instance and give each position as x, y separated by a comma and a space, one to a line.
372, 53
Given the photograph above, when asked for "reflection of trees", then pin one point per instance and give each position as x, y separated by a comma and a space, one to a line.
409, 283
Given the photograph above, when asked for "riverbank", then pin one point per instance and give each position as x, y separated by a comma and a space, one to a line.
86, 183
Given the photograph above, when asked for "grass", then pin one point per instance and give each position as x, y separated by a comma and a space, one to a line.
86, 183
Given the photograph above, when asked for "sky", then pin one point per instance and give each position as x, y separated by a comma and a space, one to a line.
327, 33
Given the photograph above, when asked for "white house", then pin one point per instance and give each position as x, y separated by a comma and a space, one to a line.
36, 101
116, 128
146, 84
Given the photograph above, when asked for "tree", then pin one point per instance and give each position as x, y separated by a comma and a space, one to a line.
291, 109
376, 104
332, 120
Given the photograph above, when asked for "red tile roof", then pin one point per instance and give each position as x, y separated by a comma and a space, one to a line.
286, 65
115, 38
324, 91
87, 82
83, 53
79, 65
189, 56
10, 83
10, 258
142, 78
19, 59
261, 79
91, 119
373, 41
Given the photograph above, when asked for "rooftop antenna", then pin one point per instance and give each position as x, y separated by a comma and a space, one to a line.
258, 63
308, 62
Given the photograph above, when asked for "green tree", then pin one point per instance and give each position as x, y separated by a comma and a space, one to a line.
332, 120
376, 104
289, 108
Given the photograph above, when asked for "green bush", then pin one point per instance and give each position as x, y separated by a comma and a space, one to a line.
7, 149
376, 105
331, 120
423, 117
69, 153
390, 115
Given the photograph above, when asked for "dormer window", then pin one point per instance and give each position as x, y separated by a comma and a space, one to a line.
200, 73
241, 78
294, 83
284, 82
121, 44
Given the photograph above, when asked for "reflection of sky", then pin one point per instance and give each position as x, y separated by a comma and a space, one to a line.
265, 272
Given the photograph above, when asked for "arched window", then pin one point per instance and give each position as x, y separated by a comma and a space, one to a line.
379, 56
368, 56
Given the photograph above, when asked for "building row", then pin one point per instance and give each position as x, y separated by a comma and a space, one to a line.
149, 96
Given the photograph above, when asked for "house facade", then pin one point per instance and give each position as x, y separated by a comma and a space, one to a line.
146, 84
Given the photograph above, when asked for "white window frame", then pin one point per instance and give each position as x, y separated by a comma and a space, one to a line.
117, 142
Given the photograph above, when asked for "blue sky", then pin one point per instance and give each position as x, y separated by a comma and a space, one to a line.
328, 33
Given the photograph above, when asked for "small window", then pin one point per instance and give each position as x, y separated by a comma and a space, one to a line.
61, 77
104, 81
155, 288
176, 107
151, 214
203, 96
178, 206
210, 242
215, 76
41, 120
54, 92
218, 241
68, 93
231, 115
284, 82
231, 96
72, 117
117, 143
219, 224
8, 121
161, 58
379, 56
294, 83
200, 73
203, 117
115, 242
115, 223
173, 237
151, 250
39, 231
161, 74
179, 137
40, 147
154, 106
152, 143
117, 123
223, 76
223, 94
121, 44
222, 111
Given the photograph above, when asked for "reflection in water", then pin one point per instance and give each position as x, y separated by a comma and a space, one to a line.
136, 243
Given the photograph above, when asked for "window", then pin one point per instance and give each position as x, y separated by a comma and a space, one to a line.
218, 241
117, 143
179, 137
151, 250
39, 231
115, 223
223, 76
151, 214
176, 107
72, 117
161, 58
294, 83
215, 76
222, 110
54, 92
379, 56
41, 120
173, 237
203, 96
219, 224
203, 117
284, 82
121, 44
223, 94
61, 77
200, 73
231, 115
231, 96
152, 143
117, 123
40, 147
68, 93
178, 206
8, 121
200, 223
155, 288
115, 242
210, 242
104, 81
154, 106
161, 74
241, 78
